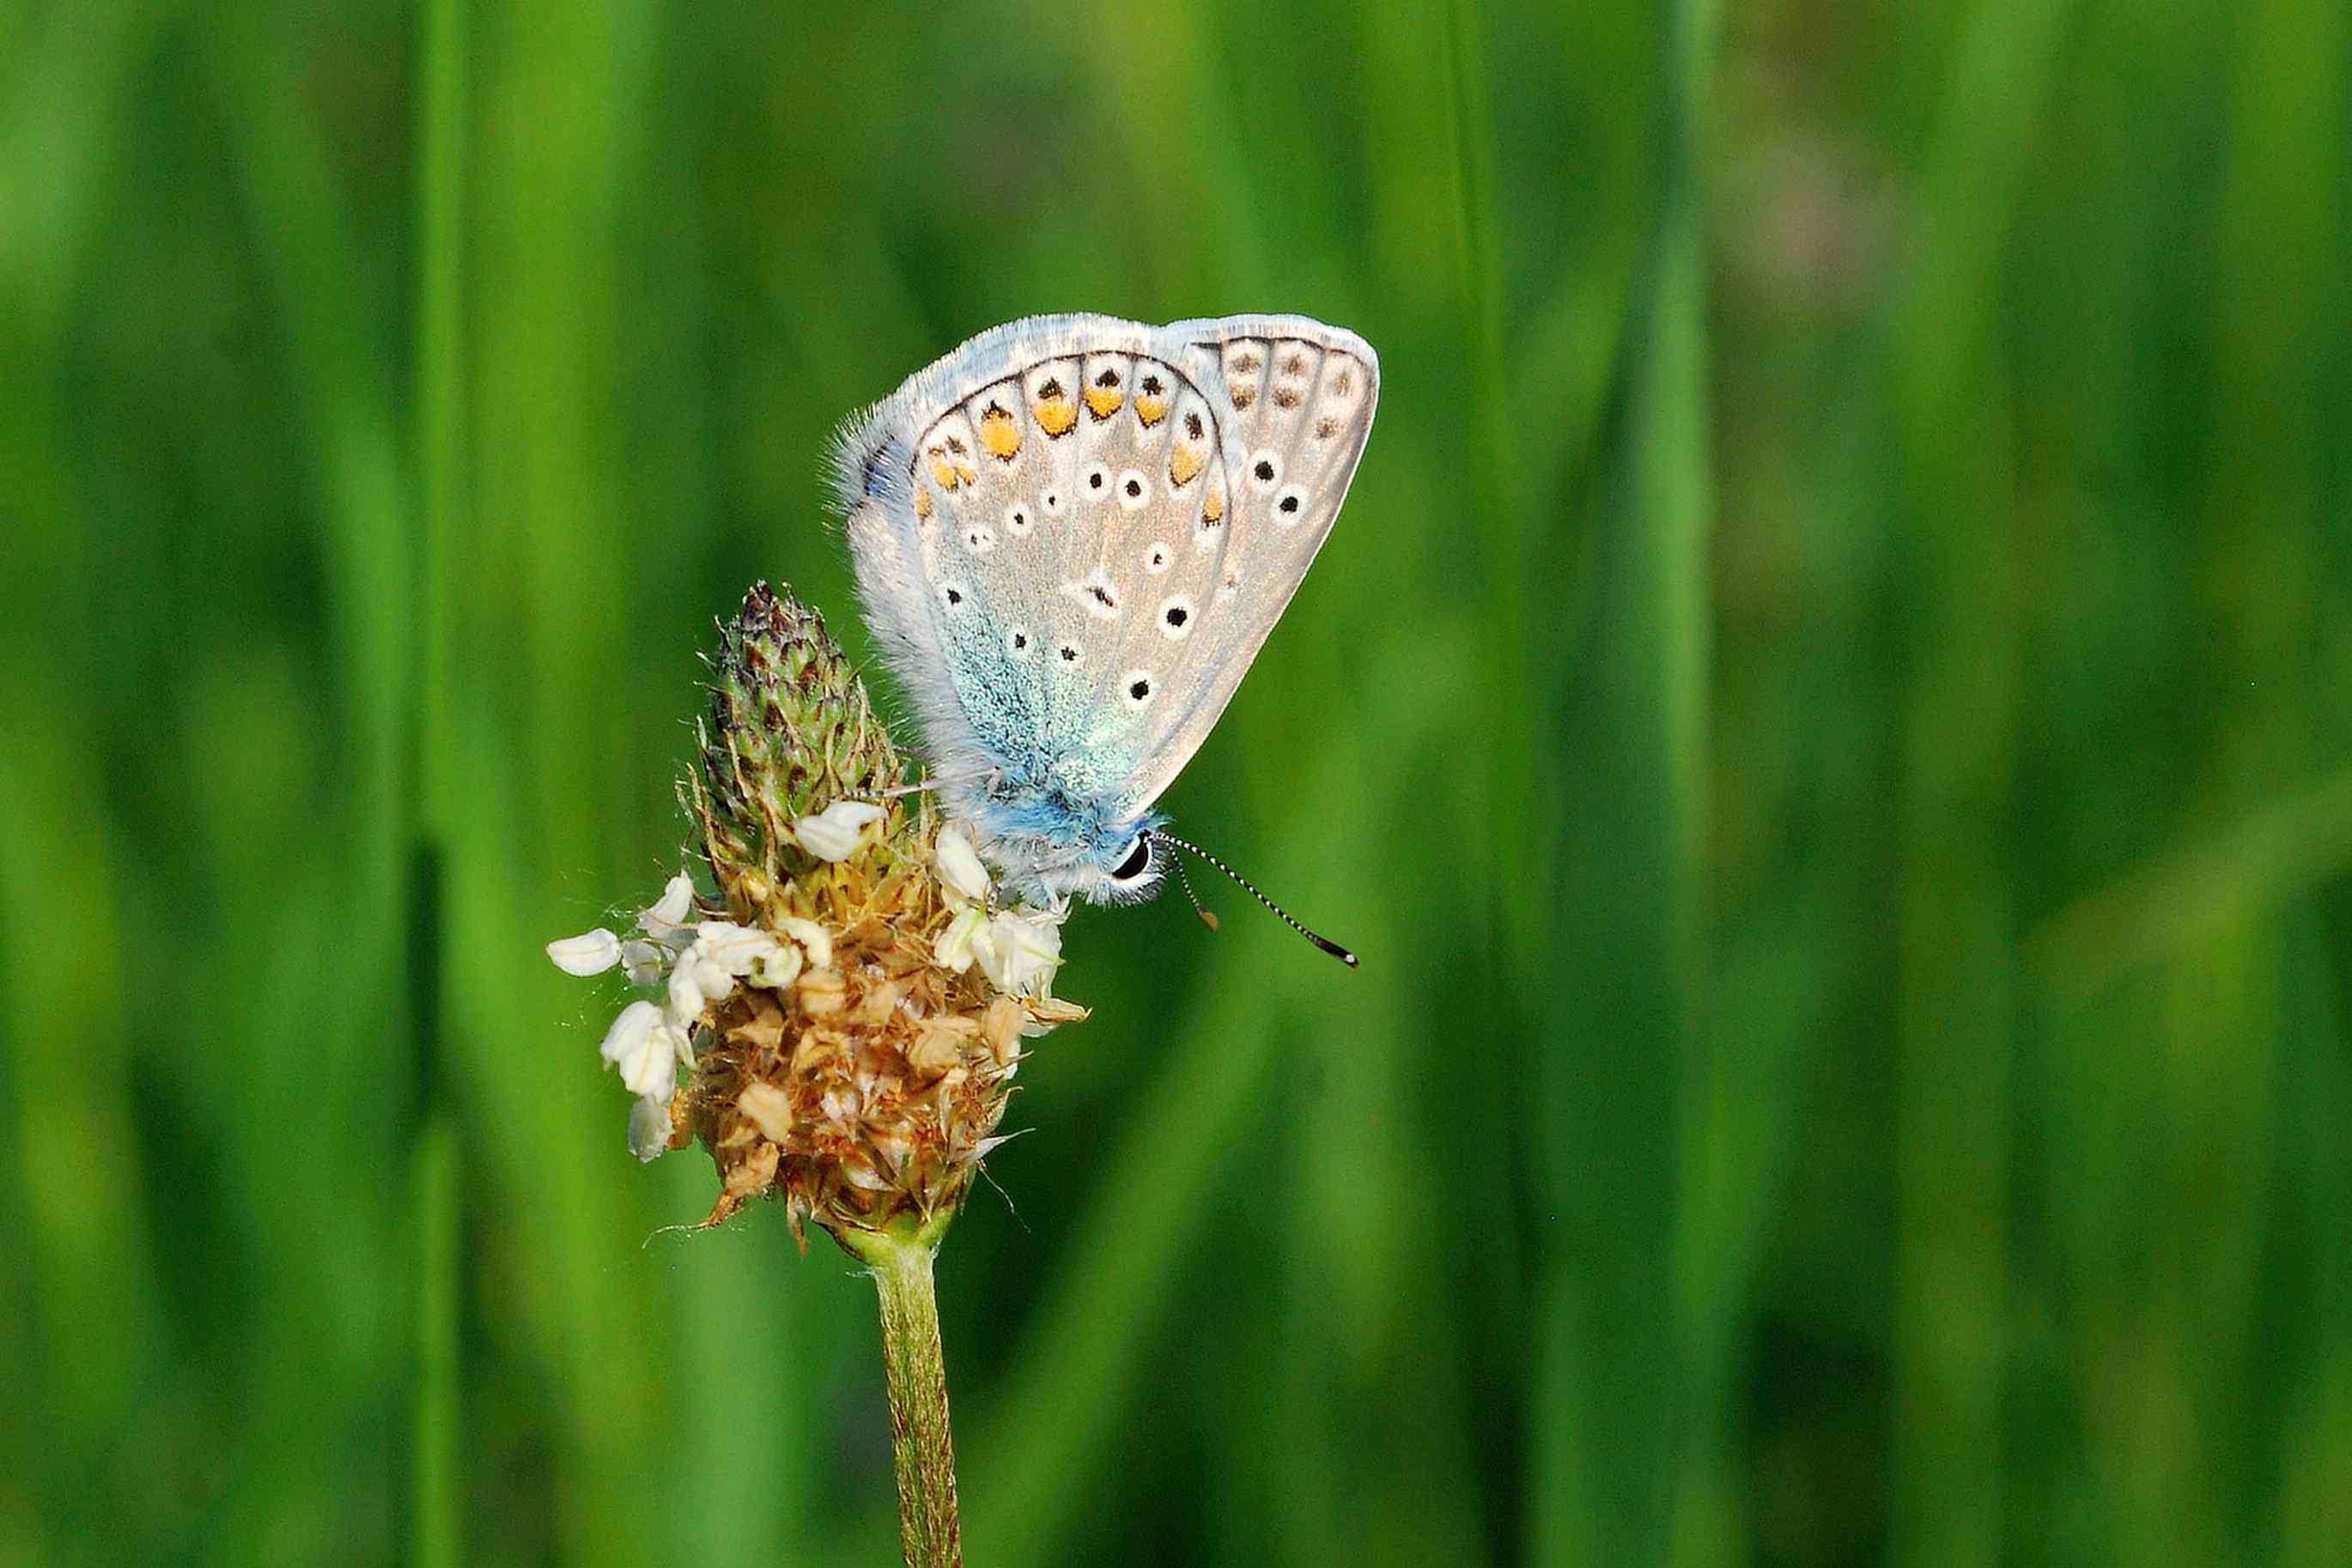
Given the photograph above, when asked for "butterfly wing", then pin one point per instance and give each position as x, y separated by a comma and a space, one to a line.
1075, 533
1293, 403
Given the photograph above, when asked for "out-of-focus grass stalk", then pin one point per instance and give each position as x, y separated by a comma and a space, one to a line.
1493, 464
1956, 965
542, 618
435, 1494
74, 1263
1605, 1385
2231, 1311
355, 484
440, 376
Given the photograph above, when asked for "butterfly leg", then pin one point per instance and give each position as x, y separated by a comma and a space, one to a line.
922, 786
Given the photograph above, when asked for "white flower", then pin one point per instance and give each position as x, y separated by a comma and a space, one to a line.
685, 996
645, 958
812, 936
955, 951
835, 833
645, 1050
733, 948
1019, 953
649, 1129
675, 904
776, 969
960, 872
590, 953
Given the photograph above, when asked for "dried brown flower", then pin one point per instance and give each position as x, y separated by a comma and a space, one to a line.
864, 1084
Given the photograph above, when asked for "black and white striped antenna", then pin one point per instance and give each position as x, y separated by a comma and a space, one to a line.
1326, 943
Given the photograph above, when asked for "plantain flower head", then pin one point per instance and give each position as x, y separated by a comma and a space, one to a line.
839, 1019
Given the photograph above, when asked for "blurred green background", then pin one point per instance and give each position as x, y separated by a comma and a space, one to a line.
1829, 716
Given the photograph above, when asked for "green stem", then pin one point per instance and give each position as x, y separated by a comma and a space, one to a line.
901, 1265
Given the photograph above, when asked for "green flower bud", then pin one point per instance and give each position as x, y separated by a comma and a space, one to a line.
790, 732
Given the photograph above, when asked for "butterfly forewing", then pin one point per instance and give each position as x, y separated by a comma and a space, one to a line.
1297, 409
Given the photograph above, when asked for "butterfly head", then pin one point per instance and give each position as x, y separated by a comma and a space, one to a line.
1050, 846
1124, 867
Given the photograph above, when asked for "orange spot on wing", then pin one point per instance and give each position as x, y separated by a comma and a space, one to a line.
1183, 464
1102, 402
1151, 410
1054, 415
922, 502
1000, 434
1214, 509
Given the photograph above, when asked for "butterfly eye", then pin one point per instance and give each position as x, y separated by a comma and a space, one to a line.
1138, 861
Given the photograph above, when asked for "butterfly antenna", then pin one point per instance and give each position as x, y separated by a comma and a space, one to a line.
1326, 943
1194, 898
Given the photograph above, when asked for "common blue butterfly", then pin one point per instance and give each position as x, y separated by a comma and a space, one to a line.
1072, 535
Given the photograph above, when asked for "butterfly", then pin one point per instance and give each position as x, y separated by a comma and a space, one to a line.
1071, 536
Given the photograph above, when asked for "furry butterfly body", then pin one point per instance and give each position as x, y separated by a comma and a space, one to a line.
1072, 536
